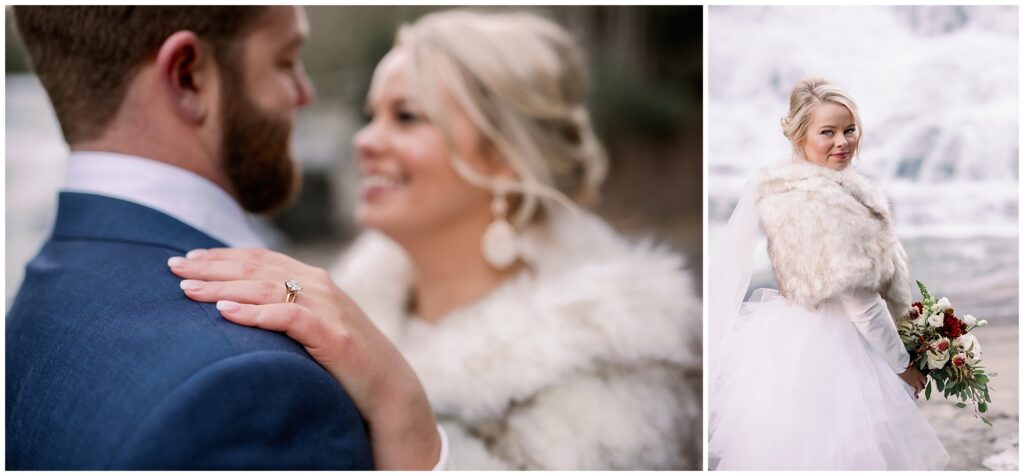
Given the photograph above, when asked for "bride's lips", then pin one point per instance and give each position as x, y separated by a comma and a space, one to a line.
372, 186
841, 155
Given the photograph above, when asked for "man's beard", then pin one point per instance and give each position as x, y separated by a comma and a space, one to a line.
256, 157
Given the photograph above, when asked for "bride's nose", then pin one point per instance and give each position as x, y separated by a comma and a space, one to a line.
368, 141
841, 142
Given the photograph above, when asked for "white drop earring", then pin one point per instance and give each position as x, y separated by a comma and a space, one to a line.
500, 244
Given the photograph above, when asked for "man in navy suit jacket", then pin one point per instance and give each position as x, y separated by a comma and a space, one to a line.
177, 118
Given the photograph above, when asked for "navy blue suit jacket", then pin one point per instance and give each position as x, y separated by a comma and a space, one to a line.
110, 366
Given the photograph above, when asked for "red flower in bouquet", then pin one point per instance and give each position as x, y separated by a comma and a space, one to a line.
952, 326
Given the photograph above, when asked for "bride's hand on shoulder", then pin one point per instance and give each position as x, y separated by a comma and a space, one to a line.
913, 377
249, 288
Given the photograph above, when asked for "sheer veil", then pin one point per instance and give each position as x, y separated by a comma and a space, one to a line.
729, 274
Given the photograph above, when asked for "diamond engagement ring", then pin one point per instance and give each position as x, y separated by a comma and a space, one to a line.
293, 288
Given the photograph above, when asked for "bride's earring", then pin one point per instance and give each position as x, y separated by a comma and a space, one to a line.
500, 244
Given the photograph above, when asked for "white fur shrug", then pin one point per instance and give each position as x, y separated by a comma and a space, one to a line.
829, 232
590, 361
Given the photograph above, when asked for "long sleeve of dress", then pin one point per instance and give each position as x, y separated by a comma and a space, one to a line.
870, 315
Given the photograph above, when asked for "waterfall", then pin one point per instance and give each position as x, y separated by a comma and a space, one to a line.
937, 91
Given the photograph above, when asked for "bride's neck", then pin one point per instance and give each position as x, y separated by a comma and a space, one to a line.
450, 272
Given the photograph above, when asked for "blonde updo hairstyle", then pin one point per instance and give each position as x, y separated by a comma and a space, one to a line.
520, 78
807, 94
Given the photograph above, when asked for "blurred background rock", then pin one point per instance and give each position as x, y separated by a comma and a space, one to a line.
645, 96
937, 91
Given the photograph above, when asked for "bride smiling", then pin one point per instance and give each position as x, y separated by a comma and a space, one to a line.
543, 339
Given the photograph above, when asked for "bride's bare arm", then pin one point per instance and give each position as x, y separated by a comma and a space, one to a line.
248, 287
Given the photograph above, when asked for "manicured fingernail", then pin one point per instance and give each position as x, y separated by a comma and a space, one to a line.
177, 262
192, 285
195, 254
228, 306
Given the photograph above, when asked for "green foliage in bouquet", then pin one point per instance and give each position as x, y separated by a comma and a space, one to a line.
941, 346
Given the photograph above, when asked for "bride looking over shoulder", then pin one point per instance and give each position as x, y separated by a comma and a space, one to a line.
814, 375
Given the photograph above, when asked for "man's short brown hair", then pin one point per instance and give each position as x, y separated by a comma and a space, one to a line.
85, 56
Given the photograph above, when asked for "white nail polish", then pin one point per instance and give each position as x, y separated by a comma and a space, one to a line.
177, 262
195, 254
228, 306
192, 285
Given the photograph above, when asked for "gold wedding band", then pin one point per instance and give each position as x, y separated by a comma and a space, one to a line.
293, 287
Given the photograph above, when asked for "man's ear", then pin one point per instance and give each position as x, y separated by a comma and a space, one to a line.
185, 69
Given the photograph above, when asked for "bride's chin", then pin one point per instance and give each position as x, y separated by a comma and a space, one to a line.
369, 219
365, 218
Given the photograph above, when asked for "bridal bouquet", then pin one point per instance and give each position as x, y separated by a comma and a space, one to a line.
941, 345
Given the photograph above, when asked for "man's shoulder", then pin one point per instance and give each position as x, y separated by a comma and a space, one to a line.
119, 299
101, 333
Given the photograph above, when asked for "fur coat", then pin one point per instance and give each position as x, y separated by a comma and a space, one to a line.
830, 232
589, 360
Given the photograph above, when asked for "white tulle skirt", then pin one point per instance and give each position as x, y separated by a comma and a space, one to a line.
802, 390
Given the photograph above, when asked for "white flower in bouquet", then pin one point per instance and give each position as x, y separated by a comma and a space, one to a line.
967, 343
970, 320
919, 322
938, 353
982, 323
942, 305
959, 360
936, 320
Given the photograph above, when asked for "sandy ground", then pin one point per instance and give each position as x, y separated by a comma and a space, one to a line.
971, 444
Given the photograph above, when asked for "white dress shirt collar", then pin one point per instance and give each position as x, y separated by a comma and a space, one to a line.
177, 192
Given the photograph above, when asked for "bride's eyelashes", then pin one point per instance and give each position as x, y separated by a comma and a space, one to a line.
407, 117
406, 112
829, 132
402, 116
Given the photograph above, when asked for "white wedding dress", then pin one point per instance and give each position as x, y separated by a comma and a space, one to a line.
799, 389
